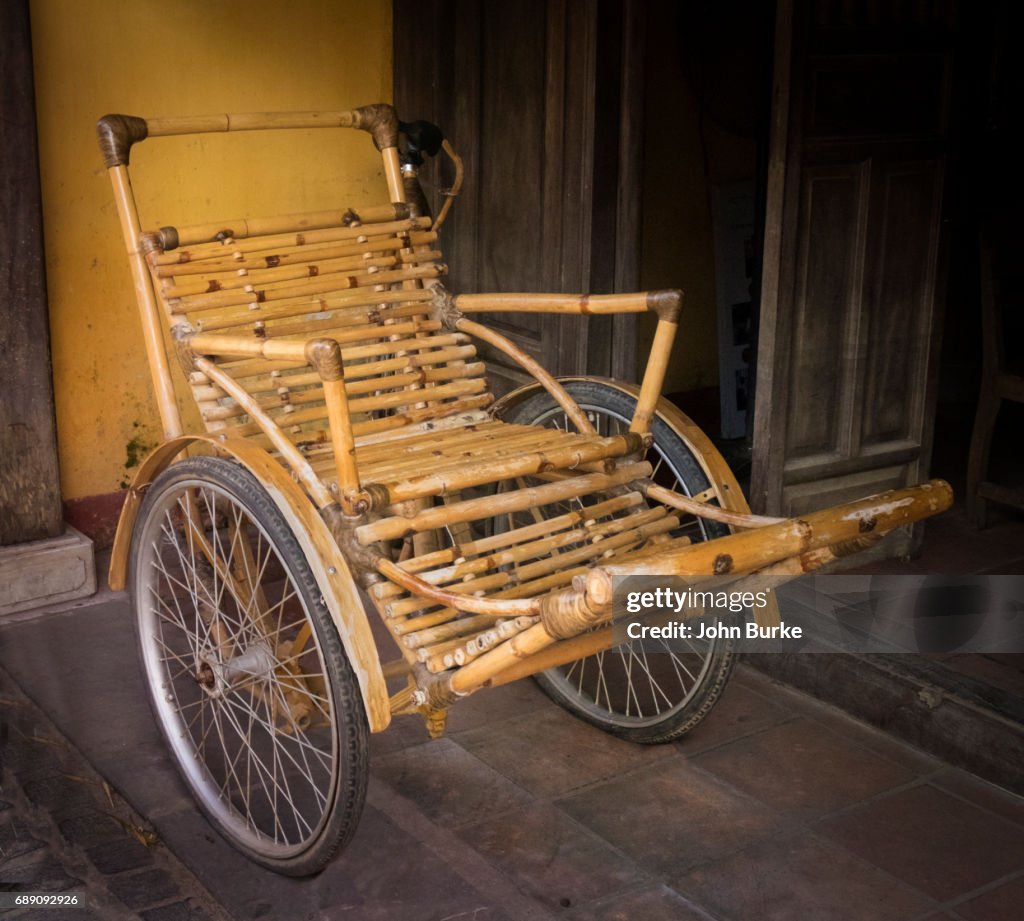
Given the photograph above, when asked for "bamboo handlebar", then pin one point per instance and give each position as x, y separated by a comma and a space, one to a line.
117, 133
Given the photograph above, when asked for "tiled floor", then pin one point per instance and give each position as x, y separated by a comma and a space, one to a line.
778, 807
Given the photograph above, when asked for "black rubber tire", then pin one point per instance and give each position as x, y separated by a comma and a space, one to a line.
350, 733
601, 399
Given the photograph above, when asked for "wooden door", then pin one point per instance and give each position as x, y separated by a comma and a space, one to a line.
542, 99
854, 233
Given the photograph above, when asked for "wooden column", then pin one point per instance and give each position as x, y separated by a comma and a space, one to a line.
30, 506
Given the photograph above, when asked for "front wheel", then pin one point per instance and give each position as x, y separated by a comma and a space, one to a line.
651, 691
246, 673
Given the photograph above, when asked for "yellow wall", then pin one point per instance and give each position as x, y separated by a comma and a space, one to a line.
149, 58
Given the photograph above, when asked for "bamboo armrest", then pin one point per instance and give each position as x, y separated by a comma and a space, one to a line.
665, 303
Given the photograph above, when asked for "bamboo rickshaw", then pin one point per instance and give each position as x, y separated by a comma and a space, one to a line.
352, 451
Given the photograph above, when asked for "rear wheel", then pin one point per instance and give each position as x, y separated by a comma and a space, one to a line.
655, 690
247, 676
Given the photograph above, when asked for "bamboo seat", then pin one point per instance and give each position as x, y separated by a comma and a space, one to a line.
423, 465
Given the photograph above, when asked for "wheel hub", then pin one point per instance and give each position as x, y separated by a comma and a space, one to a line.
216, 677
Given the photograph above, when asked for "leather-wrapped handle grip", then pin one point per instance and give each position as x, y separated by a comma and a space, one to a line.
117, 133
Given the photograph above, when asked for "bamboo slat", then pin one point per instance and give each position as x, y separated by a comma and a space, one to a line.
292, 238
240, 228
292, 255
322, 284
473, 473
704, 510
275, 278
489, 506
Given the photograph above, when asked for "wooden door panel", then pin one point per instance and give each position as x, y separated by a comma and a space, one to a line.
849, 308
900, 293
825, 307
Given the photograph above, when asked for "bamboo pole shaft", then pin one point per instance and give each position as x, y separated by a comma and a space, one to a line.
532, 367
149, 312
320, 285
231, 259
248, 347
581, 304
506, 608
342, 440
343, 305
749, 551
275, 278
291, 455
241, 228
704, 510
561, 653
473, 473
474, 674
450, 422
654, 376
393, 174
462, 627
286, 241
489, 506
508, 538
250, 121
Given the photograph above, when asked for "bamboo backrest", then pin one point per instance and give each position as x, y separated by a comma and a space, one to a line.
360, 282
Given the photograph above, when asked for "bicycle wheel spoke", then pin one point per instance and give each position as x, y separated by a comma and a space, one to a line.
239, 679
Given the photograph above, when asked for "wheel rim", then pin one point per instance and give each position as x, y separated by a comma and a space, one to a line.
236, 674
636, 684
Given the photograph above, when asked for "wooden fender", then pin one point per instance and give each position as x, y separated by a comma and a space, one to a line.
325, 559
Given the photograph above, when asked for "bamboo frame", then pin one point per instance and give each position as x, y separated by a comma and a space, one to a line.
330, 332
666, 304
532, 367
149, 312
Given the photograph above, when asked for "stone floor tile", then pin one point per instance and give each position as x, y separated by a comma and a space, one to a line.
119, 856
552, 752
931, 840
800, 878
670, 816
139, 890
40, 870
383, 874
61, 796
803, 769
654, 903
177, 911
550, 856
496, 705
986, 795
16, 838
1004, 903
404, 732
877, 742
740, 712
448, 783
